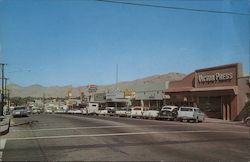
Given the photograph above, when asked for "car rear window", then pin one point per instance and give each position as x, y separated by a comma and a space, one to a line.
186, 109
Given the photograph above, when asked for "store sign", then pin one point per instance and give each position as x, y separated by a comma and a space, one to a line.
92, 88
215, 77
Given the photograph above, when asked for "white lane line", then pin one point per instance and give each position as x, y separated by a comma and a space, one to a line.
120, 134
2, 145
96, 127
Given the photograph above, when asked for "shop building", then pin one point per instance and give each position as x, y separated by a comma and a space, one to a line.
220, 92
150, 94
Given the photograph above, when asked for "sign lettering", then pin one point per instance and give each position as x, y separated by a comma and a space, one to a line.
215, 77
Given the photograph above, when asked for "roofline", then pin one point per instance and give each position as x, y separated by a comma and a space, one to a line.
217, 67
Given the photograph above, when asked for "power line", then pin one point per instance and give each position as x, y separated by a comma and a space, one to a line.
174, 8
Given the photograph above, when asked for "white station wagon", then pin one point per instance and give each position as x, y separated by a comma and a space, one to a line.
190, 113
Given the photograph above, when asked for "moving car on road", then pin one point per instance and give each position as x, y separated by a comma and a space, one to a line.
20, 111
190, 113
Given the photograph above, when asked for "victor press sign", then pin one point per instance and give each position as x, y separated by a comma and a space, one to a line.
215, 77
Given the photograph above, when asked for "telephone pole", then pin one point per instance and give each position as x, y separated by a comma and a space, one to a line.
3, 89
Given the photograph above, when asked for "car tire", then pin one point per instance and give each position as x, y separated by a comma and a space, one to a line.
197, 120
248, 122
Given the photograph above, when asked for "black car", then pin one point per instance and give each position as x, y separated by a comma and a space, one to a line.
169, 113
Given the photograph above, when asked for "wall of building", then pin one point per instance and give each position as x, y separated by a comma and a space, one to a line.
244, 92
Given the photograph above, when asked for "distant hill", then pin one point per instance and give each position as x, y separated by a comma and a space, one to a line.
57, 91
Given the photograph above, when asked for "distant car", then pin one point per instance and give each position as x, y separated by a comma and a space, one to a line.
137, 111
123, 112
84, 111
168, 112
36, 110
102, 112
74, 111
20, 111
48, 111
190, 113
60, 111
152, 113
111, 110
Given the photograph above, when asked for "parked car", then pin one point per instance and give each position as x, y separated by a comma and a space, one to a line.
74, 111
20, 111
123, 112
247, 121
102, 112
48, 111
60, 111
84, 111
168, 112
111, 110
190, 113
36, 110
151, 113
92, 108
137, 111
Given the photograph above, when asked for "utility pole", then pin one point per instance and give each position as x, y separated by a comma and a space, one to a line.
3, 90
116, 76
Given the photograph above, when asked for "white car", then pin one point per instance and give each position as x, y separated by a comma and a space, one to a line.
123, 112
102, 112
169, 108
152, 113
48, 111
74, 111
137, 111
190, 113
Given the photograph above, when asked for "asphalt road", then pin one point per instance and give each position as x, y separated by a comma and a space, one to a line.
57, 137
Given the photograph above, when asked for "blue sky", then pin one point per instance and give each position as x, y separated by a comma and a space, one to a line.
79, 42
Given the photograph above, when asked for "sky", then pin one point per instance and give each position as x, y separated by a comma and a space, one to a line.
80, 42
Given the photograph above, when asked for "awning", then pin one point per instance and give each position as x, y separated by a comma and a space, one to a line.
234, 89
181, 89
224, 88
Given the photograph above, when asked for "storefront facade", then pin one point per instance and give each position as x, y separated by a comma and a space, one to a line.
220, 92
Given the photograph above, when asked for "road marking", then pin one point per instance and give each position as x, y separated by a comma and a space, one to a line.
96, 127
120, 134
2, 145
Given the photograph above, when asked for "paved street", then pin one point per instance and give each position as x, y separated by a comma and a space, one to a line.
61, 137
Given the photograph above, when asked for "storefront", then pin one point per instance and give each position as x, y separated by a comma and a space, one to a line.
220, 92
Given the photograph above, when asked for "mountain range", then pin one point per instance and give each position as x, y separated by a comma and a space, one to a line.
37, 90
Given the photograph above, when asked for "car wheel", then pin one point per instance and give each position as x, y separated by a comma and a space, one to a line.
248, 122
197, 120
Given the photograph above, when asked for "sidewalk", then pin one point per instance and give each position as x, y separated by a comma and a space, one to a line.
4, 124
221, 121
